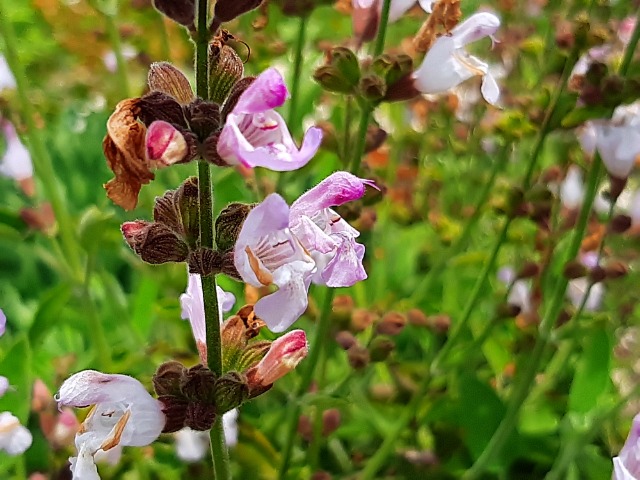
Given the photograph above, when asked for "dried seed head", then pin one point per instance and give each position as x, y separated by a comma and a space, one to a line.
229, 223
154, 243
167, 379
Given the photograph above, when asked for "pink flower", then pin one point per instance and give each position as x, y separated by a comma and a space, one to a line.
330, 239
192, 304
447, 64
267, 253
255, 135
3, 322
164, 144
124, 414
626, 466
284, 355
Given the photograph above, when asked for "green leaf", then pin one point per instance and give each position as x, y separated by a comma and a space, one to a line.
143, 301
592, 373
48, 315
579, 115
16, 366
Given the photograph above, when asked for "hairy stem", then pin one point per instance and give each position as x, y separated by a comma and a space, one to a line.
219, 451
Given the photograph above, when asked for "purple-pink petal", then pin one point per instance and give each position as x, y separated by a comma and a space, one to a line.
267, 91
345, 268
3, 322
336, 189
282, 308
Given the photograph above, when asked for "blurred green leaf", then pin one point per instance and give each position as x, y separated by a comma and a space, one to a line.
592, 373
48, 314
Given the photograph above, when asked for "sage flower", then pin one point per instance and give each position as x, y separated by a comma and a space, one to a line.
328, 237
193, 445
267, 253
15, 439
3, 322
7, 80
16, 161
123, 414
626, 466
255, 135
447, 63
283, 356
192, 304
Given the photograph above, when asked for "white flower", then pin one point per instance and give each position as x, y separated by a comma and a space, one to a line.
193, 446
14, 438
447, 64
4, 385
572, 189
7, 80
111, 62
123, 414
617, 140
192, 303
16, 161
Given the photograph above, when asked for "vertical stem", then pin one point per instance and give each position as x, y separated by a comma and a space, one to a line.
367, 109
43, 165
521, 390
315, 350
297, 69
219, 451
116, 44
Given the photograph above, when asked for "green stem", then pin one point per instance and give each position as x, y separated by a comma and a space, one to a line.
116, 44
97, 328
297, 70
367, 108
377, 460
42, 163
521, 391
315, 350
522, 388
219, 452
425, 285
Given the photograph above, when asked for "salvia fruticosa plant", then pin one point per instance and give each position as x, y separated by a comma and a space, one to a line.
498, 222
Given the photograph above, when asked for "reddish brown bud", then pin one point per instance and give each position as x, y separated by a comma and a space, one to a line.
305, 429
330, 421
620, 223
358, 357
380, 348
200, 416
417, 318
227, 10
346, 339
392, 323
507, 310
361, 319
574, 269
180, 11
597, 274
198, 383
615, 269
167, 379
175, 412
528, 270
439, 324
154, 243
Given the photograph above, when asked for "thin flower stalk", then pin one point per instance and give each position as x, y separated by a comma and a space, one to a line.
522, 389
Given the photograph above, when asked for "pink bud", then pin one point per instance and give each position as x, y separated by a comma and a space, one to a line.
283, 356
165, 144
130, 230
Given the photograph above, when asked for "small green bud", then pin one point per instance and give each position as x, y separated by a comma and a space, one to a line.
225, 69
372, 87
341, 73
231, 391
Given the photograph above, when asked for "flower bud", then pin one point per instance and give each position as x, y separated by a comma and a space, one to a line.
574, 269
225, 69
341, 308
358, 357
597, 274
331, 80
180, 11
200, 416
227, 10
341, 73
154, 243
330, 421
361, 319
252, 354
615, 269
439, 324
620, 223
372, 87
165, 145
392, 323
164, 77
175, 412
229, 223
528, 270
283, 356
417, 318
380, 348
231, 391
198, 383
507, 310
345, 339
167, 379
